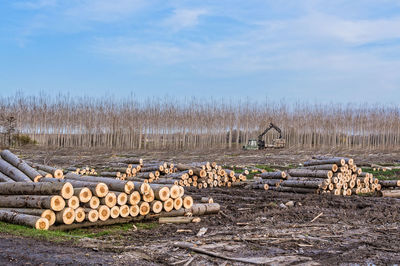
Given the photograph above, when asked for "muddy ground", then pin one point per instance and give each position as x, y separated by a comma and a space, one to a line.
253, 224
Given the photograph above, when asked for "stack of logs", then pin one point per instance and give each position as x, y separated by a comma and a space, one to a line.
339, 176
64, 202
200, 175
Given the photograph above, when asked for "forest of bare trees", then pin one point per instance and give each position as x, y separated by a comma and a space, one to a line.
167, 123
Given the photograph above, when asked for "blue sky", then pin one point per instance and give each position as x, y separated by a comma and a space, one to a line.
339, 51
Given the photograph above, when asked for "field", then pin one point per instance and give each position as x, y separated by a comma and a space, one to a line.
252, 225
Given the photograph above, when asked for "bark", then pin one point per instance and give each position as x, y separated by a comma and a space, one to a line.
57, 173
4, 178
384, 183
391, 193
13, 172
55, 203
98, 189
273, 175
36, 222
338, 161
48, 214
331, 167
65, 216
310, 173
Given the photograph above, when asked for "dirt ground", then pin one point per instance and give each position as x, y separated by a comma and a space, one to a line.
253, 224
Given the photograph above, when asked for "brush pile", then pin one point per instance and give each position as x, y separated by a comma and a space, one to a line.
43, 197
336, 175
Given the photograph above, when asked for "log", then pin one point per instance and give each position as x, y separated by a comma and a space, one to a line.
122, 198
115, 185
20, 164
310, 173
134, 210
331, 167
93, 203
337, 161
48, 214
188, 202
347, 160
144, 208
43, 188
145, 175
133, 161
98, 189
84, 194
55, 203
160, 192
13, 172
148, 197
156, 206
36, 222
44, 174
91, 215
271, 182
110, 200
65, 216
124, 211
134, 198
110, 174
168, 205
302, 184
57, 173
104, 212
114, 212
384, 183
177, 220
273, 175
391, 193
178, 202
4, 178
73, 202
80, 215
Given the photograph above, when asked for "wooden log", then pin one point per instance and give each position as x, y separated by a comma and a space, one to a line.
177, 220
134, 210
13, 172
22, 188
187, 202
168, 205
91, 215
115, 185
55, 203
178, 202
145, 175
133, 161
122, 198
104, 212
114, 212
98, 189
110, 200
124, 211
271, 182
93, 203
141, 187
384, 183
57, 173
330, 167
36, 222
84, 194
273, 175
347, 160
260, 186
110, 174
295, 190
48, 214
310, 173
391, 193
20, 164
44, 174
156, 206
160, 192
134, 198
337, 161
152, 168
65, 216
80, 215
148, 197
144, 208
4, 178
73, 202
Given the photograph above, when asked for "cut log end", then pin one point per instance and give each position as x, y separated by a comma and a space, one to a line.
168, 205
104, 213
129, 187
79, 215
156, 206
92, 216
50, 216
134, 198
178, 203
187, 202
85, 195
42, 224
144, 208
101, 190
122, 199
73, 202
58, 174
57, 203
67, 191
124, 211
134, 210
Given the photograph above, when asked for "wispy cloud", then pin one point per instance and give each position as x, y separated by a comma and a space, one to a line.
184, 18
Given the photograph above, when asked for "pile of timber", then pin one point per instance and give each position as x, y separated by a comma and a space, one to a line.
336, 175
200, 175
73, 200
82, 171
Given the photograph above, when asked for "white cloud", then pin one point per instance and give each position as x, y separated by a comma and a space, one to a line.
184, 18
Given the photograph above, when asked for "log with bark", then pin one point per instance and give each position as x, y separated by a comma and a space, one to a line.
20, 164
36, 222
48, 214
13, 172
43, 188
55, 203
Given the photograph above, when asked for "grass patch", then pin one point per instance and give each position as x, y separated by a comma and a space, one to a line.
75, 234
268, 168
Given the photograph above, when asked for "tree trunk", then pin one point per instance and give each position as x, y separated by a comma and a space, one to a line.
84, 194
56, 203
48, 214
110, 200
113, 184
65, 216
338, 161
391, 193
273, 175
43, 188
57, 173
4, 178
331, 167
98, 189
36, 222
12, 172
310, 173
387, 183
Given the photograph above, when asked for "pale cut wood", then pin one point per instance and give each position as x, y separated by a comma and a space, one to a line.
55, 203
168, 205
122, 198
110, 200
36, 222
156, 206
93, 203
144, 208
391, 193
48, 214
177, 220
20, 164
178, 202
13, 172
134, 210
114, 212
73, 202
148, 197
124, 211
80, 215
160, 192
104, 212
134, 198
65, 216
188, 202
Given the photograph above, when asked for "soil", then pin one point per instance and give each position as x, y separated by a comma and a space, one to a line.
253, 224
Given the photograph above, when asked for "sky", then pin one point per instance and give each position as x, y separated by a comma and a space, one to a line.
308, 50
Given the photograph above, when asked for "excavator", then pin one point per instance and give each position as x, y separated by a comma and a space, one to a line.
259, 144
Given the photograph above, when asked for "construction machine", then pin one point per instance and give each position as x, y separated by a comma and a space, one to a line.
259, 144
